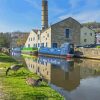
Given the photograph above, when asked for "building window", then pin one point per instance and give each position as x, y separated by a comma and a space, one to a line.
33, 45
28, 45
54, 45
29, 39
48, 35
85, 33
33, 38
38, 44
91, 34
85, 40
42, 44
38, 37
46, 44
67, 33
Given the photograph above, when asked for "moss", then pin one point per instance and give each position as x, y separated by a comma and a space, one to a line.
15, 87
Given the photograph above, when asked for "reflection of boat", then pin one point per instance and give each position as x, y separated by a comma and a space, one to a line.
66, 50
17, 50
56, 62
59, 72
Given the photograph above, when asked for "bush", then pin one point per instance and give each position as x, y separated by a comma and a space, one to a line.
98, 47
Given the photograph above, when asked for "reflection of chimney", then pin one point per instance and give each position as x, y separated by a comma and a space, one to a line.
44, 14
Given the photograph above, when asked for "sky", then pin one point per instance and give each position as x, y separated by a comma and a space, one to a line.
25, 15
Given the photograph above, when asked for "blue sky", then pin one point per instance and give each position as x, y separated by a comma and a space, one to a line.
24, 15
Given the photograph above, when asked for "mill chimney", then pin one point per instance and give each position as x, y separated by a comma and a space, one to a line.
44, 14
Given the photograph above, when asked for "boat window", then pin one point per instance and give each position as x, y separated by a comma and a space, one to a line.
71, 45
85, 40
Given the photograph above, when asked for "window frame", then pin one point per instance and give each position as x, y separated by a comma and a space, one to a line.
69, 35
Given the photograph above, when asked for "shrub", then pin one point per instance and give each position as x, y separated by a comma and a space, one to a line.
98, 47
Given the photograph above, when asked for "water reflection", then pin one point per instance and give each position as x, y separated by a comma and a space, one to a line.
71, 78
16, 56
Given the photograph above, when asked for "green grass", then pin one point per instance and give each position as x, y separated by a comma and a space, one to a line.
15, 87
98, 47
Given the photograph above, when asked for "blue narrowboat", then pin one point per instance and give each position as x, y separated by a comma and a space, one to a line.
65, 51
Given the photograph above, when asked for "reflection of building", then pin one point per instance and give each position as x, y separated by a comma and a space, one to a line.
57, 71
40, 68
62, 72
89, 68
64, 76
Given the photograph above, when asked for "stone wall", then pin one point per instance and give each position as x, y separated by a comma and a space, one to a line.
58, 32
88, 52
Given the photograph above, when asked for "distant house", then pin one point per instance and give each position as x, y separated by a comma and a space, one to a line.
18, 39
32, 40
87, 36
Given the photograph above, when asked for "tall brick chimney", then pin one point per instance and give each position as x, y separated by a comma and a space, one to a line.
44, 14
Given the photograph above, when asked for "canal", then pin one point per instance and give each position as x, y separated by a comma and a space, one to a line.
74, 79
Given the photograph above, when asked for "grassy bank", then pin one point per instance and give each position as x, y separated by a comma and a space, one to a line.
15, 87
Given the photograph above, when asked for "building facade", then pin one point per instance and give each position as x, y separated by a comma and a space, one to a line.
87, 36
32, 39
68, 30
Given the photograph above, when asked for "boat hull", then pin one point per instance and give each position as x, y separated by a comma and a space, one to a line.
57, 56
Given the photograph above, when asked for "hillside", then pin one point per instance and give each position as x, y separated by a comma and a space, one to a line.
93, 25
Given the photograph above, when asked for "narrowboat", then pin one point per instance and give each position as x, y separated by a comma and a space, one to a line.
65, 51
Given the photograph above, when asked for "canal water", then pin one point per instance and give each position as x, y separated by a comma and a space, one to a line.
74, 79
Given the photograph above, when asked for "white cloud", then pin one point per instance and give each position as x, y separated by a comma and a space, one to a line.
86, 13
86, 16
34, 3
86, 4
74, 3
